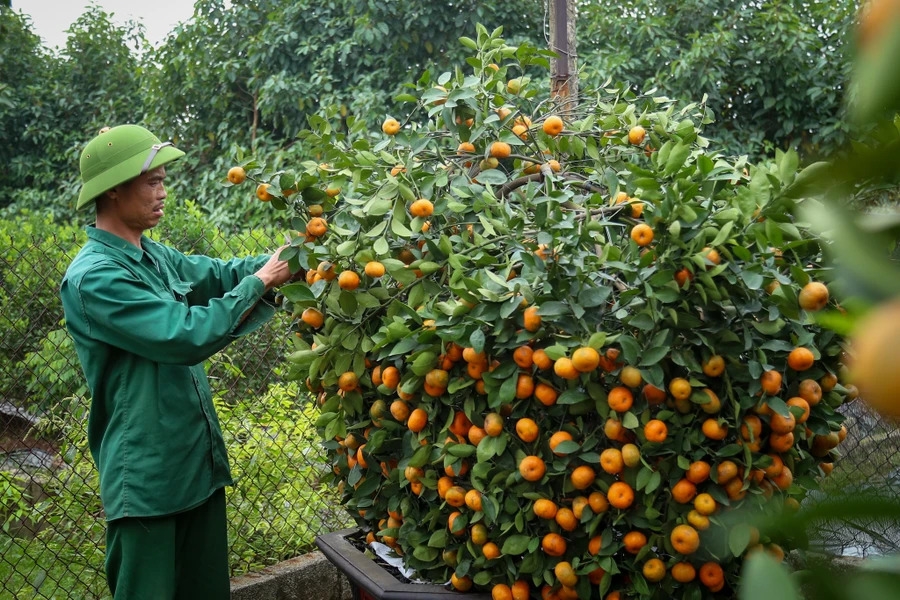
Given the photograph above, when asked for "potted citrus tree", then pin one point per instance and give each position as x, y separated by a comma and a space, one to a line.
559, 351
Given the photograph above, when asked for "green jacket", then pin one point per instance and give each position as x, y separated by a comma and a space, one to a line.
143, 323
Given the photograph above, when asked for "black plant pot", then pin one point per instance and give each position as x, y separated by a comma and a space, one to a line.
371, 581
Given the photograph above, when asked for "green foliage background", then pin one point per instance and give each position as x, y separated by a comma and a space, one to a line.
250, 75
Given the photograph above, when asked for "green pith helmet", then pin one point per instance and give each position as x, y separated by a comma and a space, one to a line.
118, 155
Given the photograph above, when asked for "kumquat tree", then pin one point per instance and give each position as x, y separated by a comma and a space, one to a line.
559, 351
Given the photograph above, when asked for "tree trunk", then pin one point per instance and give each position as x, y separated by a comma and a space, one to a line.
564, 69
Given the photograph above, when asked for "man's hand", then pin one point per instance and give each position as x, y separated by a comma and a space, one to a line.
275, 271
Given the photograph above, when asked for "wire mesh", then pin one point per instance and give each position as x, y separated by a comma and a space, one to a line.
53, 528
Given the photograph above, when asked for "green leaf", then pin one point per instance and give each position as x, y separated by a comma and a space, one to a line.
515, 544
762, 577
739, 538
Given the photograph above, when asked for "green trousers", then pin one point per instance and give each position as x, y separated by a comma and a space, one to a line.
177, 557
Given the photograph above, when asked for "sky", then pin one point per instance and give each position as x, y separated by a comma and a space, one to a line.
51, 18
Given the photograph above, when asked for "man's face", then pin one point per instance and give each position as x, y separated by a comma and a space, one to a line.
140, 202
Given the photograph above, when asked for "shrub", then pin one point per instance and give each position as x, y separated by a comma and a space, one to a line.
604, 318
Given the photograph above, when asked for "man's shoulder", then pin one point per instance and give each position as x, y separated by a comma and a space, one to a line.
91, 256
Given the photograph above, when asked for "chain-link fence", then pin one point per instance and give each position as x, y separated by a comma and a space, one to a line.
52, 542
53, 537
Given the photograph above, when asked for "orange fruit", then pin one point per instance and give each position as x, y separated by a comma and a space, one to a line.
532, 468
545, 394
801, 359
501, 591
620, 495
780, 424
585, 359
491, 551
579, 503
698, 472
726, 471
544, 508
654, 570
781, 442
553, 544
456, 496
611, 461
478, 533
698, 521
714, 366
598, 502
461, 424
684, 539
523, 356
565, 574
682, 276
476, 434
714, 405
443, 486
874, 365
705, 504
313, 317
564, 368
524, 386
636, 135
656, 431
680, 388
417, 420
557, 438
565, 518
642, 234
683, 572
461, 584
500, 150
400, 410
771, 382
262, 192
614, 429
348, 280
465, 148
348, 381
751, 428
683, 491
390, 126
631, 376
553, 126
390, 377
712, 575
582, 477
620, 398
374, 269
631, 454
633, 541
527, 429
541, 360
473, 500
810, 391
493, 424
316, 227
521, 590
421, 208
813, 296
236, 175
531, 319
653, 394
714, 430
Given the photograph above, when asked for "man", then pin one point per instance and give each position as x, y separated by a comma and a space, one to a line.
144, 318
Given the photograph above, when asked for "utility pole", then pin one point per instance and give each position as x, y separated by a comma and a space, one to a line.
564, 70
